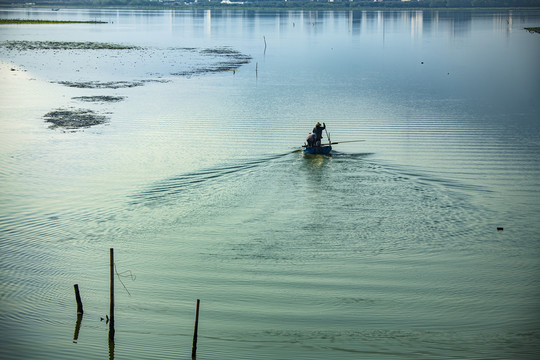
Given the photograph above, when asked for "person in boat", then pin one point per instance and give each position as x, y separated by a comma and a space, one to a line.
317, 131
311, 139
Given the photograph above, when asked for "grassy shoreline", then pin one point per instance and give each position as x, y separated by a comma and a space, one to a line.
26, 21
63, 45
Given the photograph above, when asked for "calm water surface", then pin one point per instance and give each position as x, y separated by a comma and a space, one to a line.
387, 250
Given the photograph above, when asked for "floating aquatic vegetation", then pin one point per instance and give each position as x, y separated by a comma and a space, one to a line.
64, 45
533, 29
222, 51
183, 48
125, 59
101, 84
99, 98
108, 84
74, 119
162, 81
233, 60
28, 21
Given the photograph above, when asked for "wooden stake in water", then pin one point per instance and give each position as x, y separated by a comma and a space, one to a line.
78, 299
111, 307
77, 328
194, 348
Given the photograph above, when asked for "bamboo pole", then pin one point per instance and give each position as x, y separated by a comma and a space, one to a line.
194, 348
78, 299
111, 304
77, 328
111, 350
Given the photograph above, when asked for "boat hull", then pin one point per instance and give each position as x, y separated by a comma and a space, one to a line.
317, 150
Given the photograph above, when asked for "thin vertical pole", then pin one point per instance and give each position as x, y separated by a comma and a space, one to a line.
111, 350
111, 308
78, 299
194, 348
77, 328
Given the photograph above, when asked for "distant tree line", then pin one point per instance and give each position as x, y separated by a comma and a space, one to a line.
350, 4
394, 3
482, 3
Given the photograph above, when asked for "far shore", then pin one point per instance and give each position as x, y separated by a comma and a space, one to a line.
270, 6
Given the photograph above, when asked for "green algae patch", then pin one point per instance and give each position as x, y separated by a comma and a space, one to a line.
64, 45
73, 119
26, 21
533, 29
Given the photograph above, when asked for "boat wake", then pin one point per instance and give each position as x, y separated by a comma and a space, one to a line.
166, 190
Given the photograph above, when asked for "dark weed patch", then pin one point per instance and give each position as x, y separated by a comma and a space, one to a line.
228, 60
99, 99
64, 45
74, 119
101, 85
108, 84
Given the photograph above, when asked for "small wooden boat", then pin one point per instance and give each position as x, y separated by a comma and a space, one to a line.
323, 149
317, 150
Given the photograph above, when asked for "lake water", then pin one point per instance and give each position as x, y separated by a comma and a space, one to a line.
388, 249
